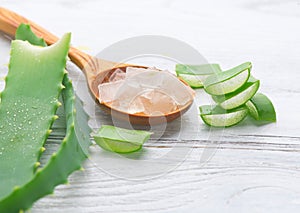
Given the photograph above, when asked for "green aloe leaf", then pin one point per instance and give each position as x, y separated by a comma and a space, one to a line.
72, 152
27, 111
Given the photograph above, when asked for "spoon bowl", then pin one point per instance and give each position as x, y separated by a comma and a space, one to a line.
137, 118
96, 70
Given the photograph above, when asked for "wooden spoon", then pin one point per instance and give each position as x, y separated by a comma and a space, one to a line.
96, 70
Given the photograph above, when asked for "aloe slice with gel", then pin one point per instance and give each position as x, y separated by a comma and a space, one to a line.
195, 75
228, 81
121, 140
218, 117
239, 97
261, 108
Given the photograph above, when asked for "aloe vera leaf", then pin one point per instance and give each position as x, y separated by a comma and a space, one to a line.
195, 75
72, 152
261, 108
28, 105
218, 117
239, 97
120, 140
228, 81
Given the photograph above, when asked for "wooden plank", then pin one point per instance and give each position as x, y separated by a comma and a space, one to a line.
235, 179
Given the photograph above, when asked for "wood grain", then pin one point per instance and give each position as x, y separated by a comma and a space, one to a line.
191, 168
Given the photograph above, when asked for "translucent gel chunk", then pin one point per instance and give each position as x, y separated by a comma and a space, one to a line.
147, 91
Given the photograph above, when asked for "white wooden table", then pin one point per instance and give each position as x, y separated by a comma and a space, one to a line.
191, 168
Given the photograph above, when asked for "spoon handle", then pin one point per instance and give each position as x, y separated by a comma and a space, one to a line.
9, 22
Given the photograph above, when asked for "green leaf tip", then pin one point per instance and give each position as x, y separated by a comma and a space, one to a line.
16, 188
62, 86
24, 30
37, 164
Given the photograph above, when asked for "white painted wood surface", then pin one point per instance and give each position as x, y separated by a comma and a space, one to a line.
246, 168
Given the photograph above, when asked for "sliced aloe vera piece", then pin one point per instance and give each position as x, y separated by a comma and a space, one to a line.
228, 81
195, 75
72, 152
120, 140
27, 111
261, 108
219, 117
239, 97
